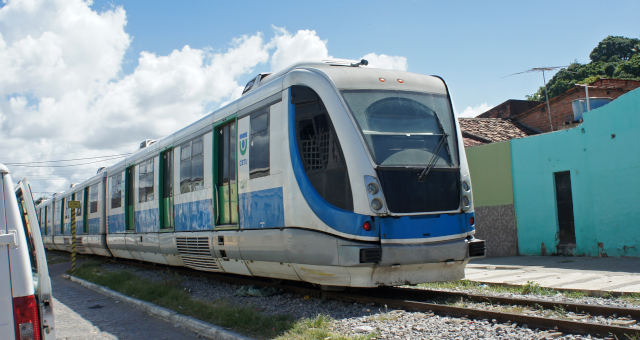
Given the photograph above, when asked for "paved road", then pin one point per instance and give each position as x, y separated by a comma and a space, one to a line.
81, 313
609, 274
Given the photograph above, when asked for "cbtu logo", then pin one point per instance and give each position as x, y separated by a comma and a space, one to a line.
244, 141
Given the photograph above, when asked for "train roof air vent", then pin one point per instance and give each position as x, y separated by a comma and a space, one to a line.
146, 143
255, 82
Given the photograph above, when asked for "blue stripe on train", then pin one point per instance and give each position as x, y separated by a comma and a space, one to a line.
193, 216
147, 220
423, 226
116, 223
94, 226
261, 209
336, 218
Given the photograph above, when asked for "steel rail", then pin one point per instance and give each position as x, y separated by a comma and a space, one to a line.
565, 326
408, 299
568, 306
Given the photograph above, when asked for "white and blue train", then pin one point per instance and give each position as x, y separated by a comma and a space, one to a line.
329, 173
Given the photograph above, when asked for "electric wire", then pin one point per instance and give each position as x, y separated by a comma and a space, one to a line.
99, 158
25, 165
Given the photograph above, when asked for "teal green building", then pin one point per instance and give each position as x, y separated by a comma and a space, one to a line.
574, 191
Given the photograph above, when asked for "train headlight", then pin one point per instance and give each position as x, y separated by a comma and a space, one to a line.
466, 186
376, 204
374, 194
372, 188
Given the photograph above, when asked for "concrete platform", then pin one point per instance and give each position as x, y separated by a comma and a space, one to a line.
606, 274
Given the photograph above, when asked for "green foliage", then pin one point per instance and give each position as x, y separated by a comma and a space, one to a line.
317, 328
614, 57
244, 319
615, 48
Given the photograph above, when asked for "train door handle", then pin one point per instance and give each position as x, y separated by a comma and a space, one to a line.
215, 186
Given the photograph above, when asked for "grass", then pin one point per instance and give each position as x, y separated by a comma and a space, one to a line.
243, 319
317, 328
528, 288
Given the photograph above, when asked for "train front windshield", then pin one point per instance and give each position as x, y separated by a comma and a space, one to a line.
405, 128
412, 139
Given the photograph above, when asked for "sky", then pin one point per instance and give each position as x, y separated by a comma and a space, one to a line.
80, 80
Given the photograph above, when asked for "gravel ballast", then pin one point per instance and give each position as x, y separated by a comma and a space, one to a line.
353, 319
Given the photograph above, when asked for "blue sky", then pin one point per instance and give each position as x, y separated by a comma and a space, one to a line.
472, 44
84, 79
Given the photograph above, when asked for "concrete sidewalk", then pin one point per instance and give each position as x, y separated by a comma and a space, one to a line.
607, 274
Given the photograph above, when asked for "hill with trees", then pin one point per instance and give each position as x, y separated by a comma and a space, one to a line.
614, 57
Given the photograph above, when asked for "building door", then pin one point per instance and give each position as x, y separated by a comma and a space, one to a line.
226, 184
166, 190
128, 200
564, 204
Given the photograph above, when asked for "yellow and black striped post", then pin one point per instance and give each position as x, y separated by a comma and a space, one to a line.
73, 205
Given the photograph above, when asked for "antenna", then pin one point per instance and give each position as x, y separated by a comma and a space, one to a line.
544, 81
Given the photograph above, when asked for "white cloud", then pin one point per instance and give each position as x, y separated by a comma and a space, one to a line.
386, 61
63, 94
470, 111
305, 45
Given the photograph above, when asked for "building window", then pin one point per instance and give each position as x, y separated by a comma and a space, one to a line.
259, 144
93, 198
191, 165
145, 181
116, 191
579, 106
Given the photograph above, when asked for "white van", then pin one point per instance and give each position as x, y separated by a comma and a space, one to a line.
26, 310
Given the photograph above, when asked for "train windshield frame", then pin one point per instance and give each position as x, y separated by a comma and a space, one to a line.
404, 128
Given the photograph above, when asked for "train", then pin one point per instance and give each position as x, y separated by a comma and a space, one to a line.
333, 173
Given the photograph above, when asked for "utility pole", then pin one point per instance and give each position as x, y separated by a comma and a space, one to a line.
73, 205
544, 80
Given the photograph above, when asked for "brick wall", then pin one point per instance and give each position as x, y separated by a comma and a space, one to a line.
561, 110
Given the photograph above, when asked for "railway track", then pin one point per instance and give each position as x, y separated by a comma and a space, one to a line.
448, 303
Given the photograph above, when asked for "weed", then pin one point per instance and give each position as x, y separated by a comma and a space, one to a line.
244, 319
317, 328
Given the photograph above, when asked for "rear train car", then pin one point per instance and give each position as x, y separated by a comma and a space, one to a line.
330, 173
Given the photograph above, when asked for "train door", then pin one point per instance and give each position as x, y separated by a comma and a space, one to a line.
226, 188
129, 210
166, 190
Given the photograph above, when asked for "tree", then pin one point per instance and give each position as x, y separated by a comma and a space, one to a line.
614, 57
615, 48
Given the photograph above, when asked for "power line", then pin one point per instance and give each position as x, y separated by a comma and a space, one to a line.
61, 166
72, 159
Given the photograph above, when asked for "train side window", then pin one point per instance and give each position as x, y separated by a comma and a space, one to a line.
259, 144
93, 198
145, 181
192, 165
116, 191
319, 148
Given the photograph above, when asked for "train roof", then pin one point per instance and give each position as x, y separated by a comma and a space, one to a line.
343, 74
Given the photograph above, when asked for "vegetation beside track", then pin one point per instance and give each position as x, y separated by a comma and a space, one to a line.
242, 319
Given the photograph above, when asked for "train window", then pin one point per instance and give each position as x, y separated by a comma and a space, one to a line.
320, 149
78, 197
191, 165
93, 198
116, 190
259, 144
145, 181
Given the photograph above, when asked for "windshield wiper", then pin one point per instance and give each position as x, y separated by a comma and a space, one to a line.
434, 158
